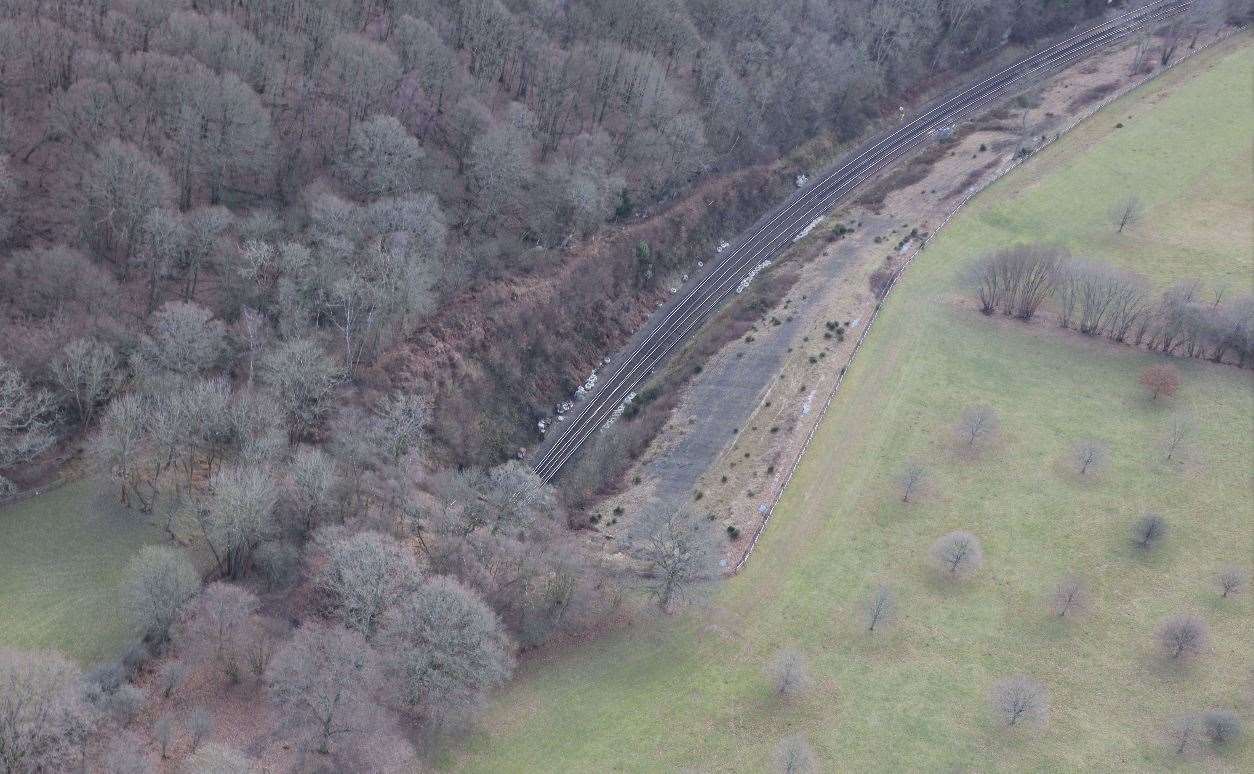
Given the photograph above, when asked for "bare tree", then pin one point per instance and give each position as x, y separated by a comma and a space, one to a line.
679, 554
218, 758
793, 755
1184, 733
1182, 636
362, 576
977, 424
446, 650
1071, 598
880, 609
1127, 212
43, 719
86, 372
911, 479
323, 680
789, 673
1232, 581
163, 734
958, 554
217, 625
1020, 700
1222, 727
170, 676
1180, 428
236, 515
1161, 379
200, 726
1090, 456
26, 416
160, 581
1149, 531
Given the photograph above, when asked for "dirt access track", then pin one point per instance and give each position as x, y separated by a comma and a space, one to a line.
742, 422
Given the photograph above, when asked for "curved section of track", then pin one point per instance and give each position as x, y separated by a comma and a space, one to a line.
776, 230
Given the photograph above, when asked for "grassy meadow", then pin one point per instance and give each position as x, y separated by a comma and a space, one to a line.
688, 693
63, 557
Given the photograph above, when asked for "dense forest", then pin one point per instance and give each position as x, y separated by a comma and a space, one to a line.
299, 276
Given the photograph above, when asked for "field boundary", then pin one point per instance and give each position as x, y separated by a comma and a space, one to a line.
1009, 166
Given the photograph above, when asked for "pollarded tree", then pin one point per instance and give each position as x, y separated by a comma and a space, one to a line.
323, 681
678, 551
43, 718
86, 370
447, 649
362, 576
120, 190
160, 581
1020, 700
381, 158
957, 554
1182, 637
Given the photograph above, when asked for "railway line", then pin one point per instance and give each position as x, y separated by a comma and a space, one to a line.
776, 230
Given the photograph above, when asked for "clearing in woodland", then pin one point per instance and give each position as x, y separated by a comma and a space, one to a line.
690, 693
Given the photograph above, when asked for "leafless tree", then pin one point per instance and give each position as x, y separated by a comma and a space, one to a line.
170, 676
445, 649
26, 416
679, 554
1182, 636
1071, 598
200, 725
1020, 700
789, 673
1149, 531
1180, 428
977, 424
43, 719
163, 735
1090, 456
1161, 379
1017, 280
218, 758
160, 581
216, 627
880, 609
957, 554
86, 372
362, 576
911, 480
322, 681
1184, 733
1127, 212
1222, 727
793, 755
1232, 581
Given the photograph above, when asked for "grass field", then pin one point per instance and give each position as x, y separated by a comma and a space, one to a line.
62, 557
689, 693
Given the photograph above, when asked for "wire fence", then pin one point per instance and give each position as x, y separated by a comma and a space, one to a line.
1012, 164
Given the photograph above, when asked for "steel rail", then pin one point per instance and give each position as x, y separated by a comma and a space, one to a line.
786, 221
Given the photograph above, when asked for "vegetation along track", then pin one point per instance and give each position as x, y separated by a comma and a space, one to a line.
776, 230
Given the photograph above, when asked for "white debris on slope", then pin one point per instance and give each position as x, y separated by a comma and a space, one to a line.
805, 232
744, 283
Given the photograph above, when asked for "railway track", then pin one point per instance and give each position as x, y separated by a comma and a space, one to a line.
777, 229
